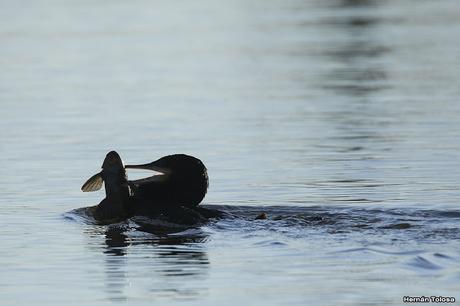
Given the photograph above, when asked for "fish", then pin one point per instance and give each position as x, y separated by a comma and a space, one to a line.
116, 204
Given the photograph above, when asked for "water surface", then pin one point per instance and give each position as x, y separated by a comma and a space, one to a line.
339, 119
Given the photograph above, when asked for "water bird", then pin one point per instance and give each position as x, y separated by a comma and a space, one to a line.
174, 193
182, 181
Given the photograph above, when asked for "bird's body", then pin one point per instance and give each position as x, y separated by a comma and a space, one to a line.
183, 181
173, 195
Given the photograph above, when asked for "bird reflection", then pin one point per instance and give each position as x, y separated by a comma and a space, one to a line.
173, 260
116, 241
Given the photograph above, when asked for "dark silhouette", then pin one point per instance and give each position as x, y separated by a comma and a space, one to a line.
172, 196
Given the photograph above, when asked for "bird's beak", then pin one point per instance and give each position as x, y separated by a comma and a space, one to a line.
149, 166
164, 172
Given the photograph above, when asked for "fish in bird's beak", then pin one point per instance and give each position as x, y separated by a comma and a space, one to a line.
112, 166
115, 206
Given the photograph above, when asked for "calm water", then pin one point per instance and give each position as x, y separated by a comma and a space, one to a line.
339, 119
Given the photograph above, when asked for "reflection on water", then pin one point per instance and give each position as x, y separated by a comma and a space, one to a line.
116, 241
357, 77
117, 278
172, 258
359, 70
176, 264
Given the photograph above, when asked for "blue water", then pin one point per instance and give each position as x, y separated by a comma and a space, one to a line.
338, 119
